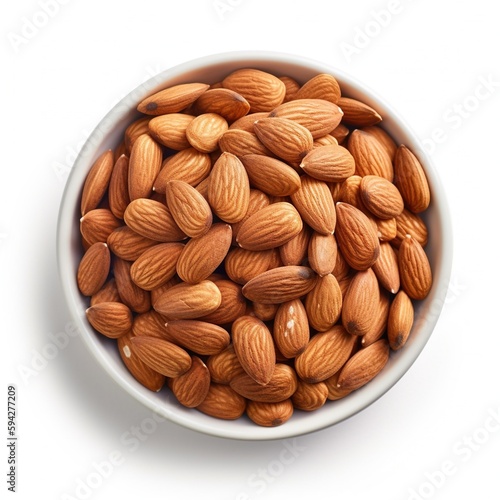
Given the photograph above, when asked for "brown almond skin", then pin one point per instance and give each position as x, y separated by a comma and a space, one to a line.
191, 388
315, 204
201, 256
356, 237
162, 356
170, 130
331, 163
232, 306
310, 397
383, 138
412, 224
258, 200
223, 402
97, 181
287, 139
224, 366
270, 414
134, 130
360, 303
324, 303
358, 113
291, 328
410, 179
246, 122
324, 355
241, 143
282, 385
229, 189
200, 337
294, 252
386, 268
292, 86
270, 227
364, 366
127, 244
280, 284
93, 269
150, 324
414, 268
107, 293
242, 265
322, 253
204, 132
334, 392
112, 319
381, 197
145, 375
96, 225
138, 299
400, 320
322, 86
253, 345
224, 102
379, 326
118, 187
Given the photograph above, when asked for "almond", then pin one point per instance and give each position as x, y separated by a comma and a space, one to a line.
186, 301
329, 163
107, 293
204, 132
253, 345
229, 188
232, 306
145, 375
162, 356
326, 140
291, 85
137, 299
340, 133
201, 256
245, 123
118, 187
241, 143
386, 268
224, 366
93, 269
324, 355
282, 385
191, 388
287, 139
172, 99
127, 244
262, 90
294, 251
322, 253
96, 225
242, 265
322, 86
381, 197
320, 117
112, 319
324, 303
383, 138
134, 130
280, 284
270, 414
150, 324
314, 203
414, 269
223, 402
310, 397
198, 336
257, 201
188, 165
270, 227
224, 102
358, 113
144, 166
264, 312
291, 328
270, 175
350, 192
409, 223
335, 393
97, 181
400, 320
380, 320
410, 179
156, 266
356, 237
364, 366
189, 209
170, 130
370, 156
360, 303
152, 220
387, 229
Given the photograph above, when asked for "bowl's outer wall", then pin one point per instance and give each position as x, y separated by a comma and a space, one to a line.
108, 134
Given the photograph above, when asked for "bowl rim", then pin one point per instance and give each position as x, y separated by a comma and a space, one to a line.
314, 421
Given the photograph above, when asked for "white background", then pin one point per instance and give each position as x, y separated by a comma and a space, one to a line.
427, 61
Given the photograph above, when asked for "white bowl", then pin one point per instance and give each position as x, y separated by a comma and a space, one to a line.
107, 135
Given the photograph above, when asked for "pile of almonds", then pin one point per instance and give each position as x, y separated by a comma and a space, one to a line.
255, 244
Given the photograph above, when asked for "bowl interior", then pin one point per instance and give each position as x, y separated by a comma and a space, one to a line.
107, 135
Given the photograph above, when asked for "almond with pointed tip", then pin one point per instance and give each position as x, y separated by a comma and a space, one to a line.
379, 326
291, 328
137, 299
97, 181
324, 303
292, 86
357, 113
270, 227
242, 265
322, 253
364, 366
232, 306
414, 269
294, 252
198, 336
93, 269
280, 284
381, 197
224, 366
111, 319
134, 130
150, 324
334, 392
322, 86
287, 139
170, 130
356, 237
383, 138
409, 223
107, 293
127, 244
330, 163
314, 203
253, 345
386, 268
241, 143
223, 402
191, 388
310, 397
96, 225
118, 187
246, 122
144, 166
400, 320
269, 414
204, 132
226, 103
172, 99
